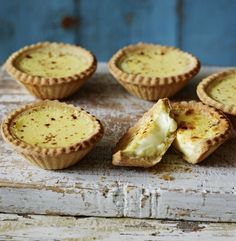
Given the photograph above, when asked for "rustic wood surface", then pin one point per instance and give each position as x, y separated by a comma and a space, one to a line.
38, 227
173, 189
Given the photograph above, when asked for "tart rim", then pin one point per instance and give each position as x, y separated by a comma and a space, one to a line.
208, 143
28, 148
40, 80
205, 97
143, 80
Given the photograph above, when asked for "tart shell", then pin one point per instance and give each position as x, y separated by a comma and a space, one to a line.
50, 87
205, 98
151, 88
46, 157
208, 145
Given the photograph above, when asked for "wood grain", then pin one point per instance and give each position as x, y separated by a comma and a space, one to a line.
94, 187
111, 25
27, 22
36, 227
204, 28
207, 31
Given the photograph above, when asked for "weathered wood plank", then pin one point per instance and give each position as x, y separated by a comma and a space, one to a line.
207, 30
108, 25
95, 188
37, 227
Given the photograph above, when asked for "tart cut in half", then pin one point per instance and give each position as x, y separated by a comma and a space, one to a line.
219, 91
51, 70
201, 130
50, 134
153, 71
147, 141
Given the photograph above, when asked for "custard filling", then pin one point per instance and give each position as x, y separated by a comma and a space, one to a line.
52, 126
155, 62
153, 138
52, 61
224, 90
193, 128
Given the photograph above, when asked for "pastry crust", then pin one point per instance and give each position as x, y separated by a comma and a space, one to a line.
151, 88
204, 96
47, 157
205, 144
121, 158
51, 87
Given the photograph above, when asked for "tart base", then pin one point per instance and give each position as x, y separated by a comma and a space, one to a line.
53, 92
55, 163
119, 159
152, 93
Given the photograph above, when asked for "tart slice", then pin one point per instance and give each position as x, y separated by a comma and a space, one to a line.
51, 134
201, 130
51, 70
153, 71
147, 141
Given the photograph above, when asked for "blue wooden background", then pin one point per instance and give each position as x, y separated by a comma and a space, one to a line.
207, 28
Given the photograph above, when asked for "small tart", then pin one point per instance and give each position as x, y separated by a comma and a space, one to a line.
153, 71
51, 70
201, 130
51, 134
219, 91
147, 141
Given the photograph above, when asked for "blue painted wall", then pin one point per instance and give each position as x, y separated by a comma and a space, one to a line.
207, 28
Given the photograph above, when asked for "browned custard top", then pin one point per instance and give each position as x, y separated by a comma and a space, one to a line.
52, 126
52, 61
155, 61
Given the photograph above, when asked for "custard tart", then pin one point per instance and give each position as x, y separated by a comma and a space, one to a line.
153, 71
219, 91
51, 70
147, 141
50, 134
201, 130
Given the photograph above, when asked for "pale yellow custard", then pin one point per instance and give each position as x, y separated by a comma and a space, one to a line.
155, 62
195, 128
52, 61
52, 126
194, 125
224, 90
155, 134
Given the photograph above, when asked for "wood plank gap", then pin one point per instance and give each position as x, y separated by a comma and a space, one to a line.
179, 22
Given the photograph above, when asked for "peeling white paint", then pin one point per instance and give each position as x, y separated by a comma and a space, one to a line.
36, 227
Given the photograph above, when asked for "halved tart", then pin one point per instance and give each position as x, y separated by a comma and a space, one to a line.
201, 130
147, 141
51, 70
51, 134
219, 91
153, 71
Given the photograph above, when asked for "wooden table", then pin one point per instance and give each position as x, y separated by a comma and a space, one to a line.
173, 189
